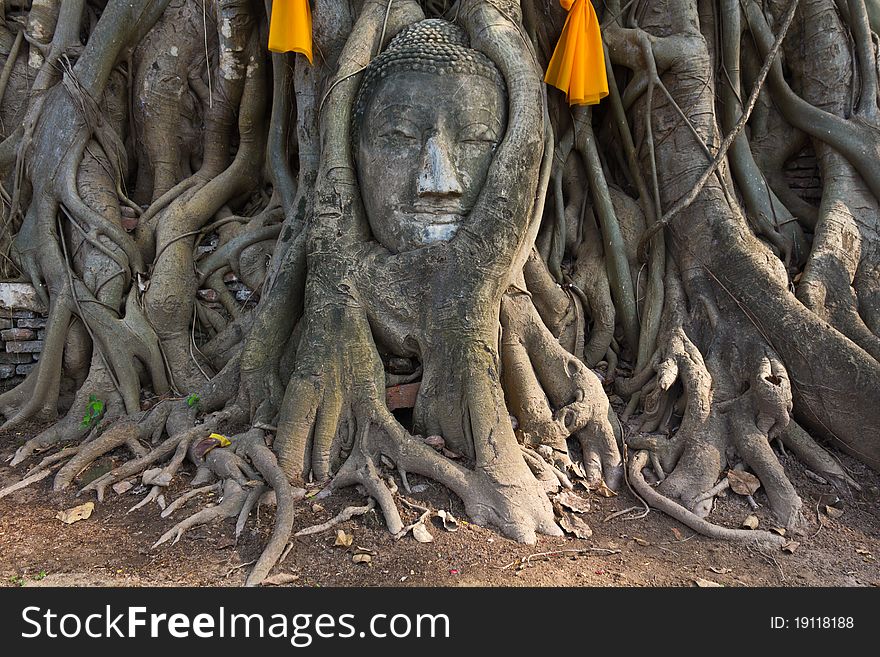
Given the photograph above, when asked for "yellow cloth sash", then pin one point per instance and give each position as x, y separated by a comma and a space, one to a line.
578, 63
290, 27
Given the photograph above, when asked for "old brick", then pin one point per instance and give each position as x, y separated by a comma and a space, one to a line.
41, 334
402, 396
24, 369
24, 347
28, 322
5, 323
6, 371
17, 334
24, 314
15, 359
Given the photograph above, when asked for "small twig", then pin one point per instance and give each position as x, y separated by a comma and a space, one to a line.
238, 567
524, 561
617, 514
346, 514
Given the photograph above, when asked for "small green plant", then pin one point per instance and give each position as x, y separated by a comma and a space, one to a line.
192, 400
94, 409
40, 575
17, 580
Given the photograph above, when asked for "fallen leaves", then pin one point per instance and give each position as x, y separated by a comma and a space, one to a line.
573, 501
751, 522
280, 579
202, 447
790, 547
421, 533
449, 521
363, 555
75, 514
574, 525
720, 571
707, 583
122, 487
343, 539
743, 483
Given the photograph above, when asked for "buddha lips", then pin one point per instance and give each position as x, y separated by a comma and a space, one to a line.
578, 63
290, 27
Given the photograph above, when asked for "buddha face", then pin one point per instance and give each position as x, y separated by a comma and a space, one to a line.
425, 146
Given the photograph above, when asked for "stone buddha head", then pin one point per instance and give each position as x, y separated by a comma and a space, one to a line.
429, 114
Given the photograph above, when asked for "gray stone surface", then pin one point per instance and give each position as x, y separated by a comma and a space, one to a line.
20, 296
15, 358
24, 347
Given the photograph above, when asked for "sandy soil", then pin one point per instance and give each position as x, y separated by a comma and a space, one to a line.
112, 547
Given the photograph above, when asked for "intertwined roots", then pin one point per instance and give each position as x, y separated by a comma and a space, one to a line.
730, 314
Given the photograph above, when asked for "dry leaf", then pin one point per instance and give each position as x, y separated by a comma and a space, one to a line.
421, 533
122, 487
861, 550
573, 502
574, 525
448, 453
707, 583
450, 524
436, 442
361, 558
743, 483
363, 550
77, 513
675, 532
778, 530
720, 571
640, 541
280, 579
343, 539
317, 508
604, 491
790, 547
833, 511
751, 522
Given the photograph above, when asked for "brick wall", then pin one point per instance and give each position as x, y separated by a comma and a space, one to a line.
22, 330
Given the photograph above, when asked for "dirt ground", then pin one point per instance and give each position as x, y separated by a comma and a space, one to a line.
112, 547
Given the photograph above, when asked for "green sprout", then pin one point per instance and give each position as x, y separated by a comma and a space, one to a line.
94, 409
192, 400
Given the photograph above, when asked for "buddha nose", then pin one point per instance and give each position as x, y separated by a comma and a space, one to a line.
438, 176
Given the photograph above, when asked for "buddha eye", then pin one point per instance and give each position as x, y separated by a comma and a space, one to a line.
399, 134
477, 134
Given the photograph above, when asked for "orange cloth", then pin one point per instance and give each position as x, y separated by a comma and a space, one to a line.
290, 27
578, 63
